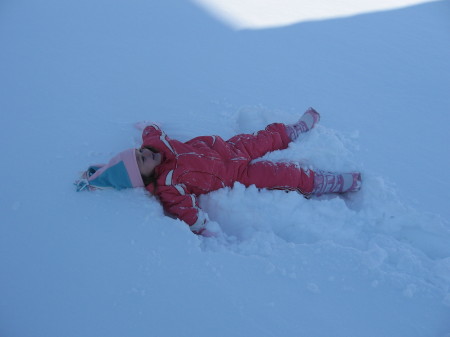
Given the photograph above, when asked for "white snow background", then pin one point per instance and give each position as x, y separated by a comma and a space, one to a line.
76, 75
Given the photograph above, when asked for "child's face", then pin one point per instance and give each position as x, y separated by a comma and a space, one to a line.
147, 161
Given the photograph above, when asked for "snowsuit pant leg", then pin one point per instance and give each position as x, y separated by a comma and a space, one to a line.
267, 174
278, 175
252, 146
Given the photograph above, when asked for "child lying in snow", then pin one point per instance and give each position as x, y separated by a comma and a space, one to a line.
179, 172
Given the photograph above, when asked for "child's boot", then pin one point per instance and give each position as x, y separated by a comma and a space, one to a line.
332, 182
309, 119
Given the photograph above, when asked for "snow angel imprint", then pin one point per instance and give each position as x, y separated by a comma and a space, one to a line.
177, 173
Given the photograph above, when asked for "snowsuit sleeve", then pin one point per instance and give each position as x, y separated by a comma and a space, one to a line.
177, 202
150, 131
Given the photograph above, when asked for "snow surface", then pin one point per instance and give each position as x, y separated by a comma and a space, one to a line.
75, 76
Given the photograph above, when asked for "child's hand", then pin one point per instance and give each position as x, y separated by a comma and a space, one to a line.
211, 230
207, 234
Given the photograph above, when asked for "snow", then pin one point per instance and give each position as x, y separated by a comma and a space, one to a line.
76, 76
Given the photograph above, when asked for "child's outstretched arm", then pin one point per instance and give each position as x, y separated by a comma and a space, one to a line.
183, 206
151, 130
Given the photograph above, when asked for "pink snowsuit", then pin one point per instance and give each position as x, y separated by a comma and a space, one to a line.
205, 164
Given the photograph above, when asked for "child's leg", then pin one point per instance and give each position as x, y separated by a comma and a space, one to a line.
309, 119
332, 182
278, 175
292, 177
274, 137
